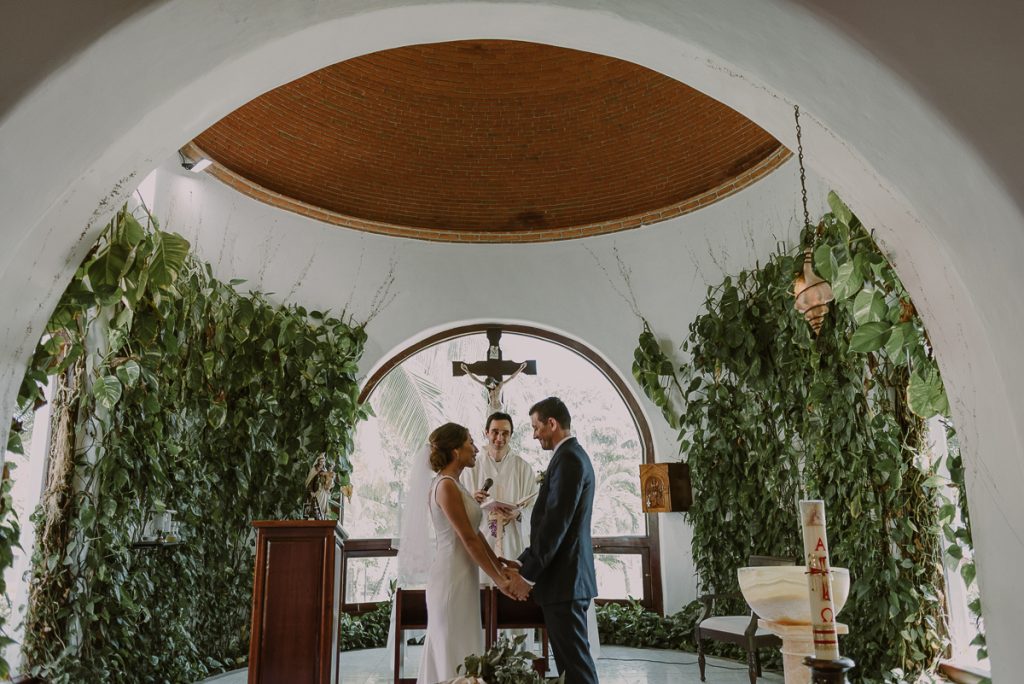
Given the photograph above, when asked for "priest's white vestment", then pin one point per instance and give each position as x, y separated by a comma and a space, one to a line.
514, 480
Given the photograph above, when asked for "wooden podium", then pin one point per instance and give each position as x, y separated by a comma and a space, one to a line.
295, 602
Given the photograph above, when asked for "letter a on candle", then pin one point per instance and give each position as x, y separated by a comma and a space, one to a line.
819, 579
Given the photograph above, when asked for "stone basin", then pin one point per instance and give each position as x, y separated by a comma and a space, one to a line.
779, 592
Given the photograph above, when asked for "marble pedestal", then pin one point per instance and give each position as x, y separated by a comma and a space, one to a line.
797, 644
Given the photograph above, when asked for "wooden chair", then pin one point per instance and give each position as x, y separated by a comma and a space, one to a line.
741, 630
506, 613
411, 613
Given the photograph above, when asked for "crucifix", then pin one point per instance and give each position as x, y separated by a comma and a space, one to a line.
491, 372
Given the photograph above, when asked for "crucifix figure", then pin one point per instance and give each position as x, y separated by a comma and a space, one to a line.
491, 373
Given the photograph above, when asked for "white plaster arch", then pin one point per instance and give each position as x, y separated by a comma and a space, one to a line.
83, 133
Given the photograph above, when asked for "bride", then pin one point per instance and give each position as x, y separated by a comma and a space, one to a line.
453, 584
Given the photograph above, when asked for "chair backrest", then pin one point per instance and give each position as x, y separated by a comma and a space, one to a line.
757, 561
507, 613
410, 609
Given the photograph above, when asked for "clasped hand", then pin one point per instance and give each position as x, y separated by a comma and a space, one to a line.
513, 585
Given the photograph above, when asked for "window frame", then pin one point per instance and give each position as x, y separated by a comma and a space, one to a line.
362, 548
648, 547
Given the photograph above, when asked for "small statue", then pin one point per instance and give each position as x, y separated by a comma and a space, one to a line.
319, 483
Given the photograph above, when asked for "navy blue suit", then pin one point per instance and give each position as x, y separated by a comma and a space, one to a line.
560, 558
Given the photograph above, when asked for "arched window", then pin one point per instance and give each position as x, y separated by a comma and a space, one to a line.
415, 391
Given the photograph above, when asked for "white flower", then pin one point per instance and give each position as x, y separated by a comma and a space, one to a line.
540, 476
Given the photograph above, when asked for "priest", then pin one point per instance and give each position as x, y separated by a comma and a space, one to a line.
501, 477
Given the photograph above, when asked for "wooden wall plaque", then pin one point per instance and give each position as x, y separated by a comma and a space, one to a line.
665, 487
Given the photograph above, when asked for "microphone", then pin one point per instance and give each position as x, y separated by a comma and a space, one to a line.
487, 485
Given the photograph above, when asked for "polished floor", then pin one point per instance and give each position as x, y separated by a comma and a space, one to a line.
617, 665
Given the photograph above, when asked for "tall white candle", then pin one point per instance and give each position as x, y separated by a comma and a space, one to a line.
819, 579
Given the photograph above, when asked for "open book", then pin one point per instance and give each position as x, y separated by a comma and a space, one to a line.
505, 505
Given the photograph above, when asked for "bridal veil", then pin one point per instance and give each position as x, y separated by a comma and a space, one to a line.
416, 534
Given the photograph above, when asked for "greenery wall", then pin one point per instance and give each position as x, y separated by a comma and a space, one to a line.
768, 414
175, 391
10, 530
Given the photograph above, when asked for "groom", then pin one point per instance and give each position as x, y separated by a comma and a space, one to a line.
559, 562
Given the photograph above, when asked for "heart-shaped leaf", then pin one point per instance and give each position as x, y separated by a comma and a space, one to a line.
824, 262
839, 208
107, 391
105, 272
217, 415
128, 373
870, 337
168, 258
894, 345
847, 281
869, 306
925, 394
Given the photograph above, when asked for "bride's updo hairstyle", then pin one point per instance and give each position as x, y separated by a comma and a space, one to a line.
443, 441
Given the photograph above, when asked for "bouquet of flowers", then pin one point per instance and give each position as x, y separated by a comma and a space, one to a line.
507, 662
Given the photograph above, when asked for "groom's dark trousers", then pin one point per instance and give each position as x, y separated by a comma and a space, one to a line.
566, 623
560, 559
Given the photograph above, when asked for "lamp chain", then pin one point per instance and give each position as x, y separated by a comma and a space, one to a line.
800, 160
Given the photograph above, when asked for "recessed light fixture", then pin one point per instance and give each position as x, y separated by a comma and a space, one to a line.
200, 165
197, 166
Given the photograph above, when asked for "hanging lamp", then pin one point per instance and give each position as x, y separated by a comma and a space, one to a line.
812, 292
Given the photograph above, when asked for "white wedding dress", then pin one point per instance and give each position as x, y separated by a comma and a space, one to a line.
453, 595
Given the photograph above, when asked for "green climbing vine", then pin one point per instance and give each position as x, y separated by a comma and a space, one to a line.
10, 530
175, 391
957, 531
766, 413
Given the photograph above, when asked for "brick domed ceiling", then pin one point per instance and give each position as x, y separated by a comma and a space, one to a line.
488, 141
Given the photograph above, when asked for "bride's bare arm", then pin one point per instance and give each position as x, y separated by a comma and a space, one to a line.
450, 500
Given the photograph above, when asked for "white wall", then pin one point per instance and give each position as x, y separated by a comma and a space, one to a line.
569, 287
921, 134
